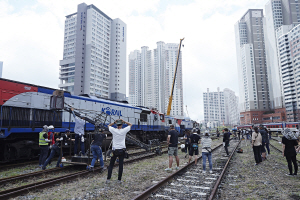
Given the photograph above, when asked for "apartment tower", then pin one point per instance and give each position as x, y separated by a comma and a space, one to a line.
252, 70
151, 78
94, 56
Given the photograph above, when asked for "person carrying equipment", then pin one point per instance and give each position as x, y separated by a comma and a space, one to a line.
194, 150
96, 148
43, 144
118, 146
79, 133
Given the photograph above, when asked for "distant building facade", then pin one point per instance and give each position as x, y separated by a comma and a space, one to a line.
221, 107
94, 56
232, 113
214, 106
151, 75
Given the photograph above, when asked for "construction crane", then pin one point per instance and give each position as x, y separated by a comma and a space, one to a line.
171, 96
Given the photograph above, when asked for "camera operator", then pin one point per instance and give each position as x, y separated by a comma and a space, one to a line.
118, 146
59, 139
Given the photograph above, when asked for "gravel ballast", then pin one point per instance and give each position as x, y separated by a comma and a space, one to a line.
268, 180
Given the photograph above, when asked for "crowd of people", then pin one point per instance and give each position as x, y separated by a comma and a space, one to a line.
259, 137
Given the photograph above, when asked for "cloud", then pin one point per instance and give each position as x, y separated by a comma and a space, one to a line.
31, 42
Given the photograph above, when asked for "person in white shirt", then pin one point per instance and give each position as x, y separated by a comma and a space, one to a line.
118, 146
79, 133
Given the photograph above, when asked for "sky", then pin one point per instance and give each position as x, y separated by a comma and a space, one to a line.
32, 31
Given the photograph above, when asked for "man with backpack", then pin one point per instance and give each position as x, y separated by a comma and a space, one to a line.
194, 149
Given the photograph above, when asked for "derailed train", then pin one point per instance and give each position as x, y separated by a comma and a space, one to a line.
25, 108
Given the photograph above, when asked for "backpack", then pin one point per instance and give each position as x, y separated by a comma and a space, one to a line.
239, 150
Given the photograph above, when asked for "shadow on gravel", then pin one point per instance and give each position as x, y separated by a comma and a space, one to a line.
295, 196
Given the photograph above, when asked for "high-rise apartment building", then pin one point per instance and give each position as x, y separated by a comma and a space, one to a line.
289, 60
231, 105
277, 13
281, 17
94, 58
221, 107
151, 78
251, 62
1, 68
214, 106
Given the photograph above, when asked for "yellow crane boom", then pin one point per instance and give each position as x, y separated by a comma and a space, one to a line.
171, 96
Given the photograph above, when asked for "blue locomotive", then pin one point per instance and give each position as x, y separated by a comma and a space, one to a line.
25, 108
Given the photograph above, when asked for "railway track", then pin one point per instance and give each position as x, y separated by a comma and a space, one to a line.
189, 182
13, 192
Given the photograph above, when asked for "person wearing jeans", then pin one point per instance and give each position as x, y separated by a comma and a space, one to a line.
77, 139
59, 139
96, 148
206, 152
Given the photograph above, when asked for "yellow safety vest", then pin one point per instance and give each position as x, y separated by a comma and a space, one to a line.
42, 139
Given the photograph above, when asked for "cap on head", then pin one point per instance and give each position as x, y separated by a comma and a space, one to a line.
45, 127
51, 127
206, 133
119, 122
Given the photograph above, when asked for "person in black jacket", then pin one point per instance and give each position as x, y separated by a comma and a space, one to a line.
265, 139
226, 137
289, 151
96, 148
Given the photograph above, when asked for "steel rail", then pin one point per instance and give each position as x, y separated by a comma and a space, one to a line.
215, 189
8, 166
13, 192
33, 174
161, 183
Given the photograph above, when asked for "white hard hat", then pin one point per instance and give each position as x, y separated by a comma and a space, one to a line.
51, 127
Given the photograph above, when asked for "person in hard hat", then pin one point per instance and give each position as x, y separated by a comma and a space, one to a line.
79, 133
43, 144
